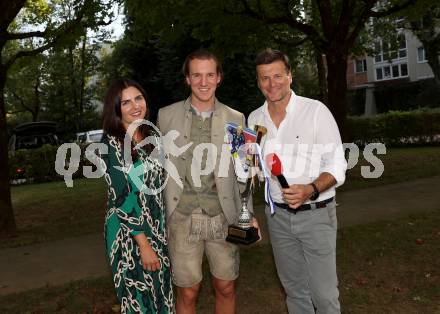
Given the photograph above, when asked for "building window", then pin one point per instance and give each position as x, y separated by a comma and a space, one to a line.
386, 51
403, 69
402, 46
395, 70
378, 51
379, 74
388, 72
421, 56
361, 66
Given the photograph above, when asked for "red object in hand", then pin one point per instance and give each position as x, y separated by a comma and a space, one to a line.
276, 167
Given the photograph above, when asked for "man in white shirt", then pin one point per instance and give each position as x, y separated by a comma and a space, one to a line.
304, 135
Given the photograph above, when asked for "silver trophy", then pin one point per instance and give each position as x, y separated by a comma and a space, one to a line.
243, 232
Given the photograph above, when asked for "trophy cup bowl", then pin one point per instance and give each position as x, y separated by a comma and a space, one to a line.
243, 232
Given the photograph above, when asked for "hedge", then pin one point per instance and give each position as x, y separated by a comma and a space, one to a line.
39, 164
397, 128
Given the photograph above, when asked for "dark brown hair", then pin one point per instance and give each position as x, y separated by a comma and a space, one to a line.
202, 54
268, 56
111, 116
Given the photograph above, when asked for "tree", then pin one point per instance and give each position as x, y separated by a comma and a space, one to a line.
70, 89
23, 88
63, 22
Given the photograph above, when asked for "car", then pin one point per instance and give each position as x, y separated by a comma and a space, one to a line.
30, 135
93, 136
33, 135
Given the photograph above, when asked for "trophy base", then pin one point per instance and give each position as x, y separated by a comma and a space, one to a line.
238, 235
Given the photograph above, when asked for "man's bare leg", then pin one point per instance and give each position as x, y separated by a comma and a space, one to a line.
186, 299
224, 296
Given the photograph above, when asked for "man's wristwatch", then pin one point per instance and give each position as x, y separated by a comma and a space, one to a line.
315, 194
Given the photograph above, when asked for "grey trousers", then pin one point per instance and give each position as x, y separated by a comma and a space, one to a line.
304, 248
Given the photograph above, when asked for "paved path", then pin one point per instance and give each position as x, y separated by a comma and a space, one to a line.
59, 262
52, 263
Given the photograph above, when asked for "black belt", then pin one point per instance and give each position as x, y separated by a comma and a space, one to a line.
304, 207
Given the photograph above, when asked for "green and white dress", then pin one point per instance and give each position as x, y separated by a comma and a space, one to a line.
133, 209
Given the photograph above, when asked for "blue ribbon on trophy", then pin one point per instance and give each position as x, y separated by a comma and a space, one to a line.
267, 196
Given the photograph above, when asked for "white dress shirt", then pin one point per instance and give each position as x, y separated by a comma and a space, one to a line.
307, 142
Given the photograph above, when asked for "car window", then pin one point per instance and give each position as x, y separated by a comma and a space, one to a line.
95, 137
27, 142
34, 141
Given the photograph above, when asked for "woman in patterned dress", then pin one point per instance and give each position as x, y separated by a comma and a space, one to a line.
135, 232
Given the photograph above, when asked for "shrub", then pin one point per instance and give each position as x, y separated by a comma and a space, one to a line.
39, 164
397, 128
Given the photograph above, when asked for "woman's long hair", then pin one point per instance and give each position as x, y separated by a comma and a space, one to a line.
112, 117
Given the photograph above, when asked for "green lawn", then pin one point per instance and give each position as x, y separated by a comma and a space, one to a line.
50, 211
400, 164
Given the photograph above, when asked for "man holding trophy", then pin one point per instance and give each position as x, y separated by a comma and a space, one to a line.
207, 199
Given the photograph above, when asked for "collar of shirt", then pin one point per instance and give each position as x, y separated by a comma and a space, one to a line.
204, 114
290, 106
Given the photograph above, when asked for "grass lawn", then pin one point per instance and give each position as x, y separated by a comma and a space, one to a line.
50, 211
383, 267
400, 164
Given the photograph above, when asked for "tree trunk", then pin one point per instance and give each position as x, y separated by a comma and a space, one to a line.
37, 102
322, 77
82, 83
337, 89
7, 221
73, 88
431, 52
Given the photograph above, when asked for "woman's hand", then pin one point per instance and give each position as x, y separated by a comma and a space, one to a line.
149, 258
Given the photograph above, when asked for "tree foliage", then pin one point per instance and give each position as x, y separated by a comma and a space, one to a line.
238, 29
42, 24
159, 35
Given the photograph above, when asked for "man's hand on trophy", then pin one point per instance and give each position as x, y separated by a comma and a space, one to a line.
255, 225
